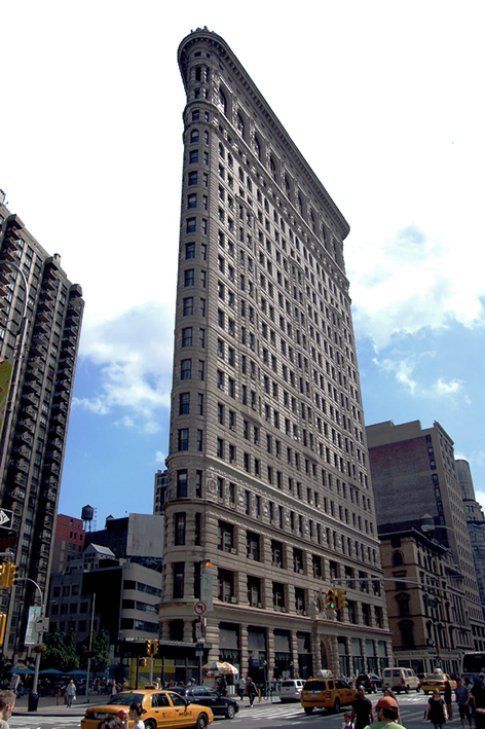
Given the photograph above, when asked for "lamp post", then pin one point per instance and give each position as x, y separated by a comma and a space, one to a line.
34, 698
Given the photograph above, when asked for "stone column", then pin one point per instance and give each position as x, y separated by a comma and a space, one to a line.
270, 652
212, 637
243, 644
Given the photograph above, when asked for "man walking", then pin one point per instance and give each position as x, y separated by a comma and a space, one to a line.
362, 714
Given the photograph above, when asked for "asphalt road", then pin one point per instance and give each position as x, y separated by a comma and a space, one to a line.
276, 716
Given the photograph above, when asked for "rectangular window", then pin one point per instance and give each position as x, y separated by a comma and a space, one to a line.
187, 337
179, 529
189, 251
189, 277
200, 439
188, 306
190, 226
192, 200
181, 484
193, 156
184, 403
178, 570
192, 180
183, 439
185, 369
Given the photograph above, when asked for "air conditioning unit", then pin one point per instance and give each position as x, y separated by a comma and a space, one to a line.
284, 610
303, 612
232, 550
300, 572
233, 599
260, 604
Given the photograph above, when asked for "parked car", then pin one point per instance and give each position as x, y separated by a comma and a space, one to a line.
220, 705
160, 709
436, 680
370, 681
326, 693
400, 679
290, 689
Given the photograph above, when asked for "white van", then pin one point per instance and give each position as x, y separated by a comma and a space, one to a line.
400, 679
290, 689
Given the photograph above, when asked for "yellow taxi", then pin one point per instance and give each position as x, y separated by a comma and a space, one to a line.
432, 681
160, 709
326, 693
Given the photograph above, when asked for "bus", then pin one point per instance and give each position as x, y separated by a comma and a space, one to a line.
473, 664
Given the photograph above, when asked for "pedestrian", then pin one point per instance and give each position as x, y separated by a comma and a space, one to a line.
462, 697
387, 711
362, 714
222, 685
448, 698
251, 691
435, 712
7, 703
70, 693
135, 715
389, 692
478, 693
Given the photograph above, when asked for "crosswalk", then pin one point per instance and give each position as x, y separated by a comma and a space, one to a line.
271, 711
39, 722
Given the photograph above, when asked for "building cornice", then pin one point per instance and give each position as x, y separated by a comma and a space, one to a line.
269, 116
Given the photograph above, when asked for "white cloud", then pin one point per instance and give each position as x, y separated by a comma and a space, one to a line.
404, 371
135, 361
410, 281
160, 457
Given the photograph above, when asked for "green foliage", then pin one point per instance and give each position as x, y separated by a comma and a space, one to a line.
100, 660
60, 652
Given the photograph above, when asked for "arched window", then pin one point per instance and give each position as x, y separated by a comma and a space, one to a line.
198, 73
257, 147
222, 101
397, 558
194, 135
272, 167
240, 124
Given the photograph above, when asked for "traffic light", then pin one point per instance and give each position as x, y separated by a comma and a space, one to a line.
3, 627
149, 647
330, 600
341, 599
154, 647
8, 573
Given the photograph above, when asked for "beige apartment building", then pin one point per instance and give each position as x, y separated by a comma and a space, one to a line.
269, 501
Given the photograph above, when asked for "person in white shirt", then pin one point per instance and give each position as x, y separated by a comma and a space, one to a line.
7, 702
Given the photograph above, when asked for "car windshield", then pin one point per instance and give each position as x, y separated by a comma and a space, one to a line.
288, 684
126, 699
201, 691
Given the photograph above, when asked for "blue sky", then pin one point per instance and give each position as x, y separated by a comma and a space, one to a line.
382, 100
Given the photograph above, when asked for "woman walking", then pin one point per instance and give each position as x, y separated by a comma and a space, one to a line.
436, 710
70, 693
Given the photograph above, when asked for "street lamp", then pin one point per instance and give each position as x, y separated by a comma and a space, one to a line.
34, 698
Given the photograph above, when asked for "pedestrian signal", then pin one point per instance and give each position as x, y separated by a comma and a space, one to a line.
330, 600
341, 599
8, 573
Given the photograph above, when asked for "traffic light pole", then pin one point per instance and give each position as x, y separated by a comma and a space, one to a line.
38, 656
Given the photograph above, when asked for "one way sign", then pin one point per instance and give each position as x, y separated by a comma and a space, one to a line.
6, 518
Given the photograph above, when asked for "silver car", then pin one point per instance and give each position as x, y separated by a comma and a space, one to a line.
290, 689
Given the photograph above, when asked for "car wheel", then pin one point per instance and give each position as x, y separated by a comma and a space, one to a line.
150, 725
230, 712
336, 706
406, 690
417, 689
201, 721
308, 709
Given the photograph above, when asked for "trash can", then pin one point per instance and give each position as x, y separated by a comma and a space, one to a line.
33, 701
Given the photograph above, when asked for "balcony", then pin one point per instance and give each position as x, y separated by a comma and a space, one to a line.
22, 436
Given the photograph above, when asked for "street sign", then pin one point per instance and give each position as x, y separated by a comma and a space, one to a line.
33, 632
6, 518
200, 608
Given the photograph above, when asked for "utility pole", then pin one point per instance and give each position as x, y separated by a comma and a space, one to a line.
90, 644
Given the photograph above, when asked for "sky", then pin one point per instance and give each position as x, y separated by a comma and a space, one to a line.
384, 99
